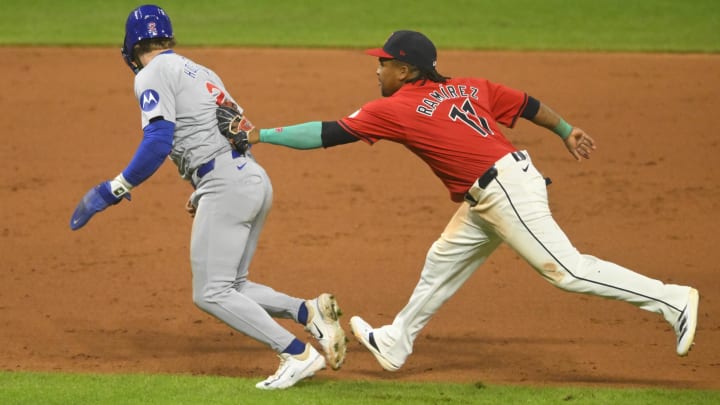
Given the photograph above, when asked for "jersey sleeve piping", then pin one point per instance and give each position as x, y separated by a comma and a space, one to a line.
520, 111
355, 133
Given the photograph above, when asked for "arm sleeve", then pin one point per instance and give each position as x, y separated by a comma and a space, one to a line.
531, 108
300, 136
310, 135
150, 155
334, 134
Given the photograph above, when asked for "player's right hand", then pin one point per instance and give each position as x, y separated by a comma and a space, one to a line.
95, 200
190, 207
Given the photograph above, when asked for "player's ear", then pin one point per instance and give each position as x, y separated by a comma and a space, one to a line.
404, 71
411, 73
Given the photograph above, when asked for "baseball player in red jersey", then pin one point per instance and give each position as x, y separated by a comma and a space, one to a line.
455, 126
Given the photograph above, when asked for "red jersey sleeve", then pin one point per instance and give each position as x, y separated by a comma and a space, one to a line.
374, 121
506, 103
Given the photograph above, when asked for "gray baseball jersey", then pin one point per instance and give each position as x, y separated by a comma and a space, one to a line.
187, 94
233, 196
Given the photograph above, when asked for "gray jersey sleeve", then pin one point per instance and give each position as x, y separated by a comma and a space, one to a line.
187, 94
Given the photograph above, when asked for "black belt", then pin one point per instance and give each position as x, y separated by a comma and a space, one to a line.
492, 172
210, 165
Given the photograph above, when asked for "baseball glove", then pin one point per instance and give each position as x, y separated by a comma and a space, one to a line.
234, 126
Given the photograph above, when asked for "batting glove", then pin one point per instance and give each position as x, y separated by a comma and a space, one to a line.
95, 200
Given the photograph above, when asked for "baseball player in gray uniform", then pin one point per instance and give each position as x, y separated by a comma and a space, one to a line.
230, 203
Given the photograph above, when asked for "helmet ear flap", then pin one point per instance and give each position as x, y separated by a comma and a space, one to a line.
130, 60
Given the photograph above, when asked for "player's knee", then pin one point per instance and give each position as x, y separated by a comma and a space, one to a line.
200, 301
209, 297
568, 275
553, 273
204, 299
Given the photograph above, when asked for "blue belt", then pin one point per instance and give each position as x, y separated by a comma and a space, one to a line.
210, 165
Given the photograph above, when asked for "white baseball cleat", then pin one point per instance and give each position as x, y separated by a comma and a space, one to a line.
322, 323
365, 334
686, 324
293, 369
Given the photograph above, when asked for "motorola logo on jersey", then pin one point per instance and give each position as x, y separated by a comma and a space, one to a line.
149, 99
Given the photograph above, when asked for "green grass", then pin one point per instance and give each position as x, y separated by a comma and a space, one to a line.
587, 25
44, 388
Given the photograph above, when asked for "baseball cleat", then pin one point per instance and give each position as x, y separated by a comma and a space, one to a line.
364, 333
686, 324
293, 369
322, 323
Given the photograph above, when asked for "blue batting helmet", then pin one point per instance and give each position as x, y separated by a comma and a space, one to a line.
145, 22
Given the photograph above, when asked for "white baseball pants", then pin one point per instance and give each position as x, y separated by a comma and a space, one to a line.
513, 208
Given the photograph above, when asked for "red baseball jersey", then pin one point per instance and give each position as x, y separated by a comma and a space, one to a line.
453, 126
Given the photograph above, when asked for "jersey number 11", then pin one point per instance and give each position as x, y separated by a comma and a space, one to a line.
468, 115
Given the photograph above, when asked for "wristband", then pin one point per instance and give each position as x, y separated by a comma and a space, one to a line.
563, 129
119, 186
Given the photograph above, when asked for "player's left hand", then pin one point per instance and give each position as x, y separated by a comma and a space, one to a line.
95, 200
580, 144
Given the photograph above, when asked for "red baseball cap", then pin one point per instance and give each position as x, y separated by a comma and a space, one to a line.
410, 47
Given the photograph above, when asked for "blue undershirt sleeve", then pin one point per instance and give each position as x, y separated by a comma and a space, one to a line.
150, 155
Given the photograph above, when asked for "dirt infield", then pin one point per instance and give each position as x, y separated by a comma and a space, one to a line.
115, 297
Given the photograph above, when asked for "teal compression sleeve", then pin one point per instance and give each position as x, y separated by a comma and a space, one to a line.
301, 136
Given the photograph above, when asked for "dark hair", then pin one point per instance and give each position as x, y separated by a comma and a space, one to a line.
432, 75
424, 75
148, 45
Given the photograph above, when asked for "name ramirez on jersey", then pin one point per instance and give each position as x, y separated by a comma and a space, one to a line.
443, 93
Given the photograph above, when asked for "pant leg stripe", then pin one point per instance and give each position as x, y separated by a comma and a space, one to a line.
507, 195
